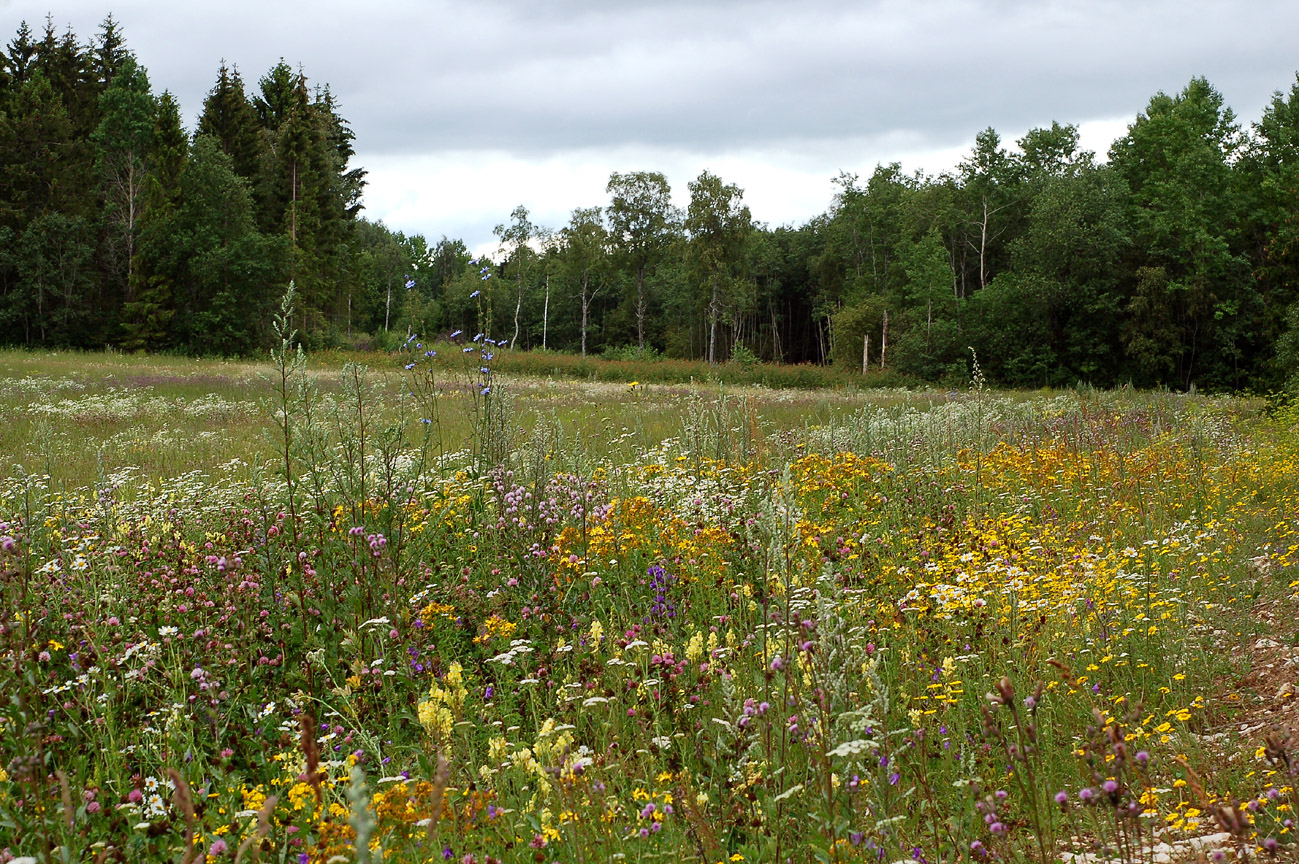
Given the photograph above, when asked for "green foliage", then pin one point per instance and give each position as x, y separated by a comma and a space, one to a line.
1287, 349
1175, 264
226, 263
1193, 283
719, 225
642, 223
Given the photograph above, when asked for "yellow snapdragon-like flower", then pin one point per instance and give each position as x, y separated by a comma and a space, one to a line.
695, 648
445, 704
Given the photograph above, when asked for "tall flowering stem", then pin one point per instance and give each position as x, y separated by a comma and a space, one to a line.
489, 433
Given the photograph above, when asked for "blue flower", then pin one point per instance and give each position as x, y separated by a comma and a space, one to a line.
475, 294
467, 350
456, 333
410, 283
410, 366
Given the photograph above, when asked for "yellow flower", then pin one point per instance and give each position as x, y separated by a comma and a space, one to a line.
695, 648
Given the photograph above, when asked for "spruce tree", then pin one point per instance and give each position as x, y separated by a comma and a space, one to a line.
229, 118
44, 217
146, 318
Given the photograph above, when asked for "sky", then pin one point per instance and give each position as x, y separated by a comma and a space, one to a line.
464, 110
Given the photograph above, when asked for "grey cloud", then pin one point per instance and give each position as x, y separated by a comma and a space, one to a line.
539, 78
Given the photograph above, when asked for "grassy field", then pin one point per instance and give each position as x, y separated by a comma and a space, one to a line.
319, 612
71, 415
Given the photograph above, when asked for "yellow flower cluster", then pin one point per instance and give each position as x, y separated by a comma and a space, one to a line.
444, 705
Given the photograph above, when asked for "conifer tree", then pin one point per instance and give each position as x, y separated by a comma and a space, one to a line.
109, 53
147, 316
229, 117
44, 219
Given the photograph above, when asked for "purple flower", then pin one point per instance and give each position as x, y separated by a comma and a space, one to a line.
475, 294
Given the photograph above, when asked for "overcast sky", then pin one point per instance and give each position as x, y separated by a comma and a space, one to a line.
464, 110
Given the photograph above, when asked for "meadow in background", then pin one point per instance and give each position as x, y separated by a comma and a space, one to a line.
312, 611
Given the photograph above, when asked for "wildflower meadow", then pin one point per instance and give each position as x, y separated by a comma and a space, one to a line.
425, 611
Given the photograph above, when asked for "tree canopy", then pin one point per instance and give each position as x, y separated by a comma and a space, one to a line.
1173, 260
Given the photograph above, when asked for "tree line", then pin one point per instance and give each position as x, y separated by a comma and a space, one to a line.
1173, 261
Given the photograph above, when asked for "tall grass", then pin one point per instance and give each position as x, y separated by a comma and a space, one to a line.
649, 622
